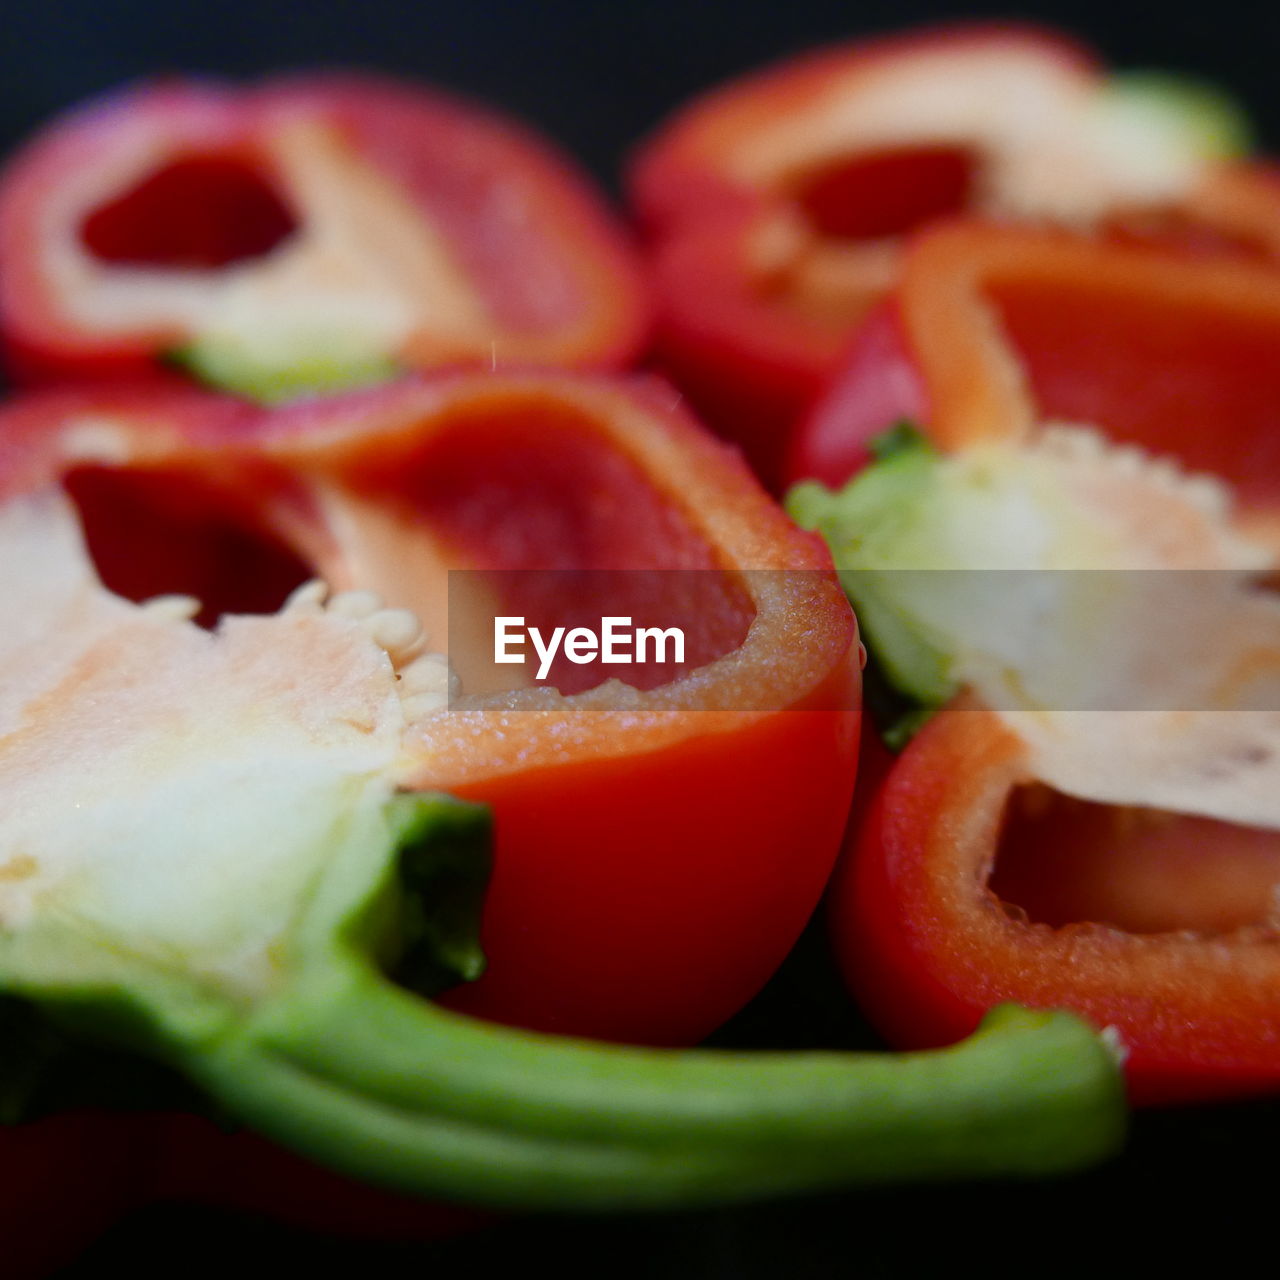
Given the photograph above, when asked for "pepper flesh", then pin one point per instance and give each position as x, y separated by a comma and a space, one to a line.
264, 988
310, 233
778, 204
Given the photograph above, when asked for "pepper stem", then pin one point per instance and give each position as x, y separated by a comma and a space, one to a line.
361, 1075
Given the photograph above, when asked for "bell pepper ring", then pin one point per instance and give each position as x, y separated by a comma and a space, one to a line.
303, 235
778, 205
994, 331
302, 792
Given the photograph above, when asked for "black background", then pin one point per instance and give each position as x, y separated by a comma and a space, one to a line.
597, 77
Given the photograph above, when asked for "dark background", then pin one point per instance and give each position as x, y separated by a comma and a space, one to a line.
597, 77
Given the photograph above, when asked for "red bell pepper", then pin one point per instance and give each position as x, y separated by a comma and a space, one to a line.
1145, 906
309, 233
1094, 826
1177, 957
207, 496
777, 204
993, 331
615, 825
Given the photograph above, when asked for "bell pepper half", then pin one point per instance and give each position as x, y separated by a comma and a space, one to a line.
551, 480
972, 884
306, 234
777, 205
994, 331
216, 841
1091, 821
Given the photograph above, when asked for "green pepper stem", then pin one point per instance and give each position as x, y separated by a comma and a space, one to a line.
362, 1075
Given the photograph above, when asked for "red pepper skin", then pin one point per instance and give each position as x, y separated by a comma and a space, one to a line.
768, 253
994, 330
715, 904
523, 230
928, 946
879, 385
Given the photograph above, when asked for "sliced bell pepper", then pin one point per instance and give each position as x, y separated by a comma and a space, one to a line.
292, 755
1095, 824
993, 331
1149, 922
390, 490
309, 233
777, 204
